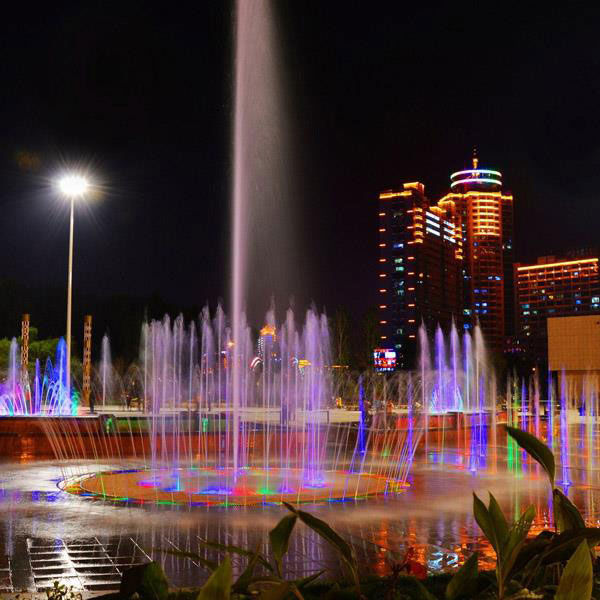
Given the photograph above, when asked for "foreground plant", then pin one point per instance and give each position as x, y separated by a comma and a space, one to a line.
271, 584
506, 541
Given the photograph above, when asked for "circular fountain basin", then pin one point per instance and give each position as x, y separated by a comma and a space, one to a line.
223, 487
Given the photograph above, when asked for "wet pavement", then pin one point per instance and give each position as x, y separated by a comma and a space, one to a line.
48, 534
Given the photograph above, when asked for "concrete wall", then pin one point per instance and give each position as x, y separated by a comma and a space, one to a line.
574, 343
574, 353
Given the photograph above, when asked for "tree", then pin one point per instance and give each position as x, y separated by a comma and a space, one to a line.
340, 337
368, 340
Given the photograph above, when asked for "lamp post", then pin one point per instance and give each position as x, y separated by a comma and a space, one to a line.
72, 187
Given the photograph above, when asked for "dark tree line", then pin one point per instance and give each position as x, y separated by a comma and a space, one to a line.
353, 340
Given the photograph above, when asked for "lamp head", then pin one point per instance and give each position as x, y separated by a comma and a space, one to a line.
73, 186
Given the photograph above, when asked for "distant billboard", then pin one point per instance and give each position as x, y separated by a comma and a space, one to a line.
384, 359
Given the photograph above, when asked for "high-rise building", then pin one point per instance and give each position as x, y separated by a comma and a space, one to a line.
444, 261
420, 269
553, 288
485, 216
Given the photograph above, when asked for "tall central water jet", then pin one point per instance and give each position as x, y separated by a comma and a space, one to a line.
259, 219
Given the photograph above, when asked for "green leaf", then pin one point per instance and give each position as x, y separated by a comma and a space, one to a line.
244, 580
484, 520
228, 548
565, 512
278, 592
516, 538
577, 578
279, 537
533, 550
536, 449
302, 583
218, 585
211, 565
563, 545
290, 507
423, 592
328, 534
465, 580
147, 580
498, 520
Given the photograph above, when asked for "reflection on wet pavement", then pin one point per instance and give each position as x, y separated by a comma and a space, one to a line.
47, 534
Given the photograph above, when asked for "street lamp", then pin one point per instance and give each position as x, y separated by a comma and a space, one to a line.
73, 187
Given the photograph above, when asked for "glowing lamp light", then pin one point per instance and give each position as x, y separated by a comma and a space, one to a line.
73, 186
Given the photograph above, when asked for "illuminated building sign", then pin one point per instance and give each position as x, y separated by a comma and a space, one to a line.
384, 359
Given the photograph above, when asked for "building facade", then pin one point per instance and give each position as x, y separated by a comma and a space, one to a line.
445, 261
420, 269
553, 288
574, 355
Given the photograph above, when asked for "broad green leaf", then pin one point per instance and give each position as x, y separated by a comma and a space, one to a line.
498, 520
524, 594
484, 520
423, 592
279, 537
563, 545
244, 580
302, 583
516, 538
211, 565
228, 548
533, 549
565, 513
218, 585
464, 581
328, 534
147, 580
290, 507
264, 579
577, 578
536, 449
277, 592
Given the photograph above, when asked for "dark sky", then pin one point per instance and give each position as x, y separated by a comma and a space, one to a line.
379, 93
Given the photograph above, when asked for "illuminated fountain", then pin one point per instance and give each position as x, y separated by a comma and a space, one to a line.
281, 440
294, 442
44, 393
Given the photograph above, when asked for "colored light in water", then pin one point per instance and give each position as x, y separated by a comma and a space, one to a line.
215, 491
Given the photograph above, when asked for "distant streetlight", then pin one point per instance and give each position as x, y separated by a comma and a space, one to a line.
73, 187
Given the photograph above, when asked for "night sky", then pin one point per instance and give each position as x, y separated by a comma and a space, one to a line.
380, 93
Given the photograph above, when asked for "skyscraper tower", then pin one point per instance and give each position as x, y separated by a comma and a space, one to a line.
445, 262
485, 216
